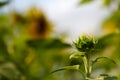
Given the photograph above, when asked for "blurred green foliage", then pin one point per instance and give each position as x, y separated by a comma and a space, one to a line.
27, 49
85, 1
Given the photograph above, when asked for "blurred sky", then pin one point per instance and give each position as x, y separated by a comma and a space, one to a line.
67, 16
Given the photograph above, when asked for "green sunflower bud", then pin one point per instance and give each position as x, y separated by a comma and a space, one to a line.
85, 43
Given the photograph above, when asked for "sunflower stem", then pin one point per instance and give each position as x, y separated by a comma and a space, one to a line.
88, 67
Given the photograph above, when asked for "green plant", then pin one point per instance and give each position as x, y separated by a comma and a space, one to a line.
86, 45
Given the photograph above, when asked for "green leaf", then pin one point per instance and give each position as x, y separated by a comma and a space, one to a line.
114, 18
77, 55
103, 58
74, 67
85, 1
4, 2
110, 78
107, 2
106, 41
9, 71
106, 77
48, 44
4, 56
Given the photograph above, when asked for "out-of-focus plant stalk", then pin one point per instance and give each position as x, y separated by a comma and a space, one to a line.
87, 65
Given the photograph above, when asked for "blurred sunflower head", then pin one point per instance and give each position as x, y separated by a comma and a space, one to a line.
85, 43
38, 25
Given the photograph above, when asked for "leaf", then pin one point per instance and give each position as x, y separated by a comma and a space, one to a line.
106, 41
107, 3
106, 77
3, 51
74, 67
85, 1
48, 44
77, 55
4, 2
100, 58
110, 78
112, 22
9, 71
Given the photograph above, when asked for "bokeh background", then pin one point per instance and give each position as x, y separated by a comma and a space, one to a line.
36, 37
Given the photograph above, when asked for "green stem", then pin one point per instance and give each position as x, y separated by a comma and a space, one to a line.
87, 65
